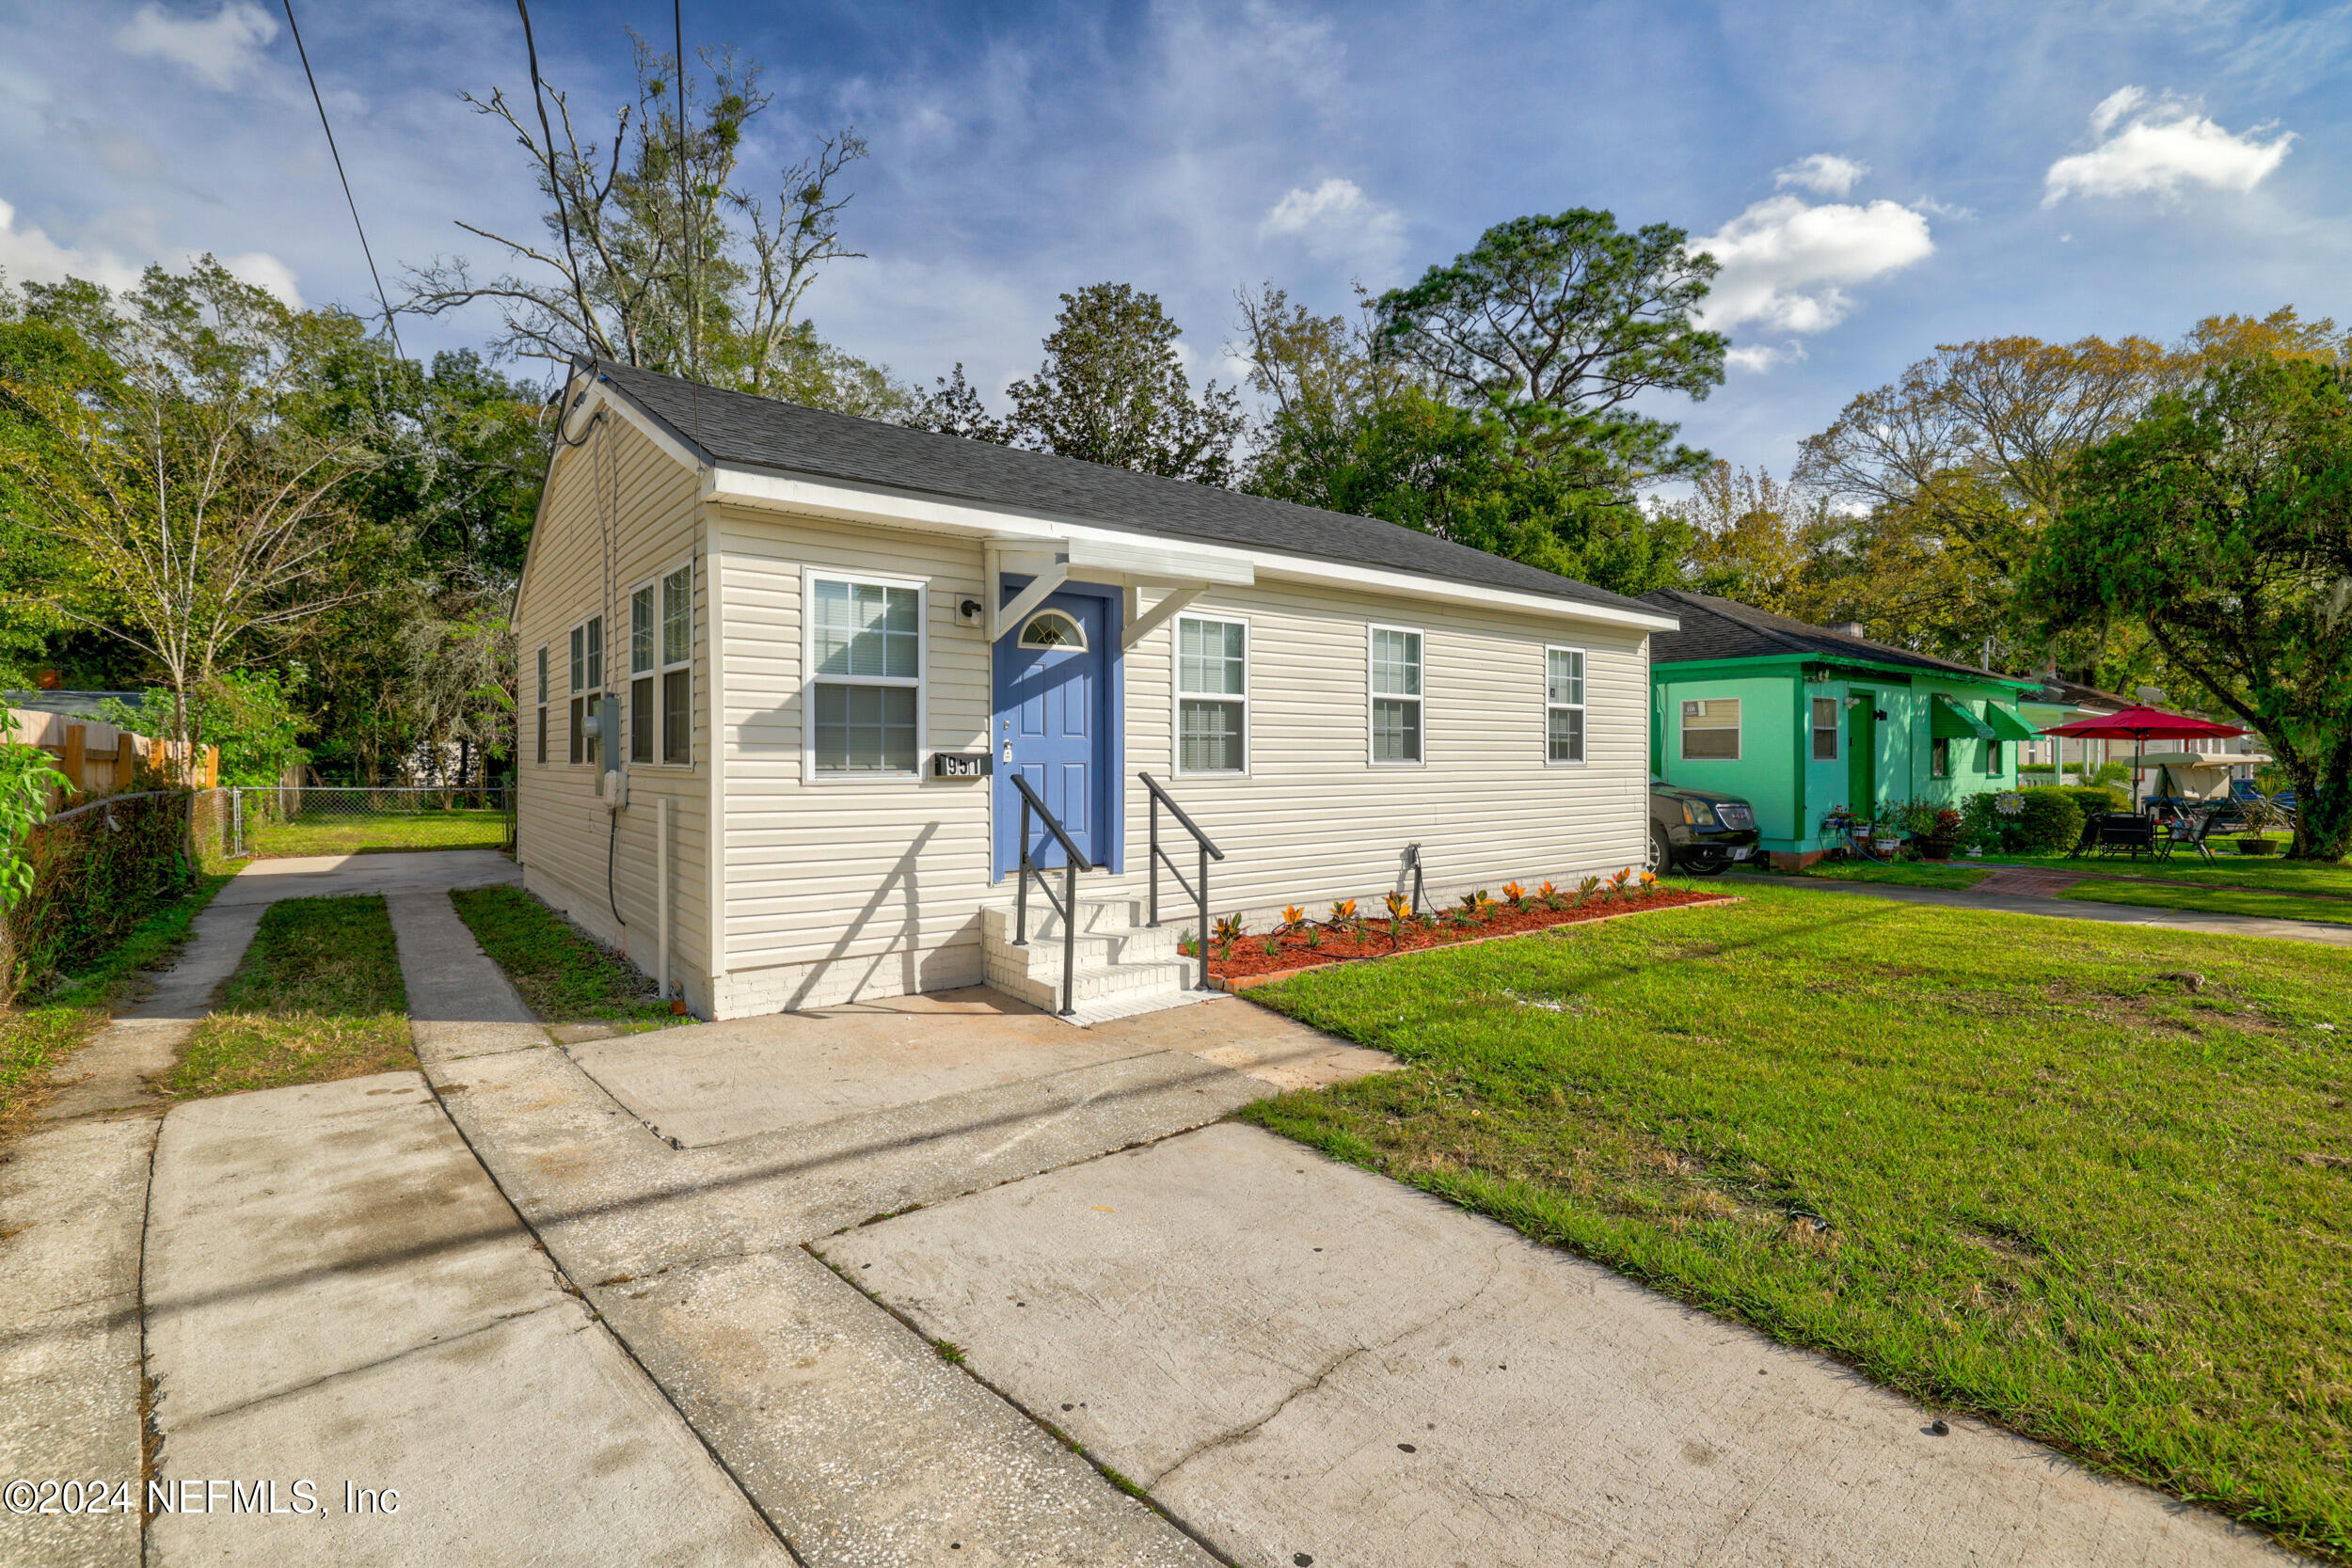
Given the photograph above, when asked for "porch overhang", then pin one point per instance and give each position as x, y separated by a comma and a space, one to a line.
1182, 571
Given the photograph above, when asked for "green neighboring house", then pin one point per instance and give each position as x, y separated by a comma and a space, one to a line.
1802, 720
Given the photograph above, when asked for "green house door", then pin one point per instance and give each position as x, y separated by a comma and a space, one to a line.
1862, 756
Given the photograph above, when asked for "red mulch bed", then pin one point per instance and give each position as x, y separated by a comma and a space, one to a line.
1251, 963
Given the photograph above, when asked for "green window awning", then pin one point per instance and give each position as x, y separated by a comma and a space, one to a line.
2007, 725
1950, 721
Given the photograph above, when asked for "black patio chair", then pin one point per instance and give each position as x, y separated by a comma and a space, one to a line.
2125, 833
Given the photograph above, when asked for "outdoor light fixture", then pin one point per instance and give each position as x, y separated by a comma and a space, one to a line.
1852, 701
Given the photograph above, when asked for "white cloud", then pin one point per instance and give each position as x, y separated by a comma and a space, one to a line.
1823, 173
28, 255
2158, 145
1763, 356
260, 268
1338, 222
218, 49
1787, 265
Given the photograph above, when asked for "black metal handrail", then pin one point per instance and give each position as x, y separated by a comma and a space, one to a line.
1209, 851
1074, 861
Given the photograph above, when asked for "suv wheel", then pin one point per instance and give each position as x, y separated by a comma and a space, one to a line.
1661, 853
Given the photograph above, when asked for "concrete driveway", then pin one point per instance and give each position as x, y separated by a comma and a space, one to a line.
1306, 1362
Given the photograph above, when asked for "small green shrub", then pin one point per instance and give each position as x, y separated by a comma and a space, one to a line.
2094, 798
2050, 822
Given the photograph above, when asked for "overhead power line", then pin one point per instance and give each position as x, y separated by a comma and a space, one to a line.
381, 298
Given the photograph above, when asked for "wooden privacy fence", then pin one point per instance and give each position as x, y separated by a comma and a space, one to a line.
103, 759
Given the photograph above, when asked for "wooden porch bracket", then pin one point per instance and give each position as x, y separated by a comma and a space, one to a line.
1140, 627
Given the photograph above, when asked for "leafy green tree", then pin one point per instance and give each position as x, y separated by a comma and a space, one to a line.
1751, 538
1555, 324
2221, 520
1353, 430
411, 675
955, 408
43, 348
196, 495
1112, 390
244, 713
1423, 463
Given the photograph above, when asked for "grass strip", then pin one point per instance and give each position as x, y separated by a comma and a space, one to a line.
2090, 1181
37, 1034
2212, 900
457, 829
565, 976
2191, 869
318, 997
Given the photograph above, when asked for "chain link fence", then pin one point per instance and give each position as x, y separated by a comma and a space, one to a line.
319, 819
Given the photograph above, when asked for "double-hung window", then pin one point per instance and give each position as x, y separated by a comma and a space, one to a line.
866, 666
1940, 758
1711, 729
1991, 758
1211, 695
677, 665
1564, 704
1824, 729
1396, 695
641, 711
587, 688
542, 753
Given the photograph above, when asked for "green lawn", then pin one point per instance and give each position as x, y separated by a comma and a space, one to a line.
317, 834
38, 1032
318, 997
2060, 1185
565, 976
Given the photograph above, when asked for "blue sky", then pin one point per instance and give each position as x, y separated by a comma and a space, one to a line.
1878, 178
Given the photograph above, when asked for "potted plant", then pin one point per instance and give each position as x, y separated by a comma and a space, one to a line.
1942, 837
2262, 808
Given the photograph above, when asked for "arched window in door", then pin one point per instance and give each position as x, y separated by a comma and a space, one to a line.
1051, 628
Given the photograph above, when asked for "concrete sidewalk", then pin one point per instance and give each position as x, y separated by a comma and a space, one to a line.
73, 1199
335, 1292
2072, 908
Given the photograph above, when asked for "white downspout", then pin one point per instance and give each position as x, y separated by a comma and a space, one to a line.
715, 832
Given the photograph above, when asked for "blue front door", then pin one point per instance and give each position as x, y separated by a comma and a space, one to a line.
1054, 724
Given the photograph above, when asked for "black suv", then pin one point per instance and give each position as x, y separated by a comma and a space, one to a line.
1701, 831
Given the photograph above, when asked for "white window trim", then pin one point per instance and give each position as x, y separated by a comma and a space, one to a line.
1177, 695
1371, 628
1739, 729
810, 576
662, 667
1584, 663
630, 677
1837, 729
602, 689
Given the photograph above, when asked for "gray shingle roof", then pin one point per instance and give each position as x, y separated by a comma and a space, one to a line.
1725, 629
756, 431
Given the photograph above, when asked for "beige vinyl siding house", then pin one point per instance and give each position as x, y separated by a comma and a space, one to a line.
1337, 706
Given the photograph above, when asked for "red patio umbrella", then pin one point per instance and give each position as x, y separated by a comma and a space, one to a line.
2139, 723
